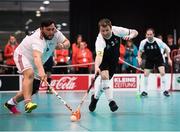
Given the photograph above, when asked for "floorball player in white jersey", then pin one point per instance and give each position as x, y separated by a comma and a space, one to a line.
153, 49
107, 57
29, 56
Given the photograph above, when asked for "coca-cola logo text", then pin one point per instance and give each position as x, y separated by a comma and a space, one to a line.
63, 83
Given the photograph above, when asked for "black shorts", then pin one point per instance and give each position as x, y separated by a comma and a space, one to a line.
49, 64
110, 66
150, 64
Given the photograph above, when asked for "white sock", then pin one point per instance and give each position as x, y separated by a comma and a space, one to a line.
98, 88
163, 83
144, 88
11, 102
108, 91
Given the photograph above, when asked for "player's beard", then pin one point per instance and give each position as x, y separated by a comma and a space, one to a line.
108, 36
47, 37
150, 39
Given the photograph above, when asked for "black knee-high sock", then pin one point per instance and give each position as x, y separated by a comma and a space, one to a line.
49, 81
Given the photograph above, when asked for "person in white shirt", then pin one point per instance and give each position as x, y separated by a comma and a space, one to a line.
107, 56
153, 48
29, 56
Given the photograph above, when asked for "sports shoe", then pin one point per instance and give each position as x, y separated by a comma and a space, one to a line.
113, 106
166, 93
144, 94
12, 108
93, 103
30, 106
49, 91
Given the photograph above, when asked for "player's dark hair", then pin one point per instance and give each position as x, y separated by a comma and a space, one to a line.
104, 23
170, 36
150, 29
47, 22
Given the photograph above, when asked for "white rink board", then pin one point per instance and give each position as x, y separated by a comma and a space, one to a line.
121, 81
129, 82
176, 81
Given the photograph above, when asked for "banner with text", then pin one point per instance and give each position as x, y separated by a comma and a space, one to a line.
67, 82
125, 81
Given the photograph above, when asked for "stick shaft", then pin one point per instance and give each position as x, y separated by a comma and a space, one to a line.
86, 94
59, 97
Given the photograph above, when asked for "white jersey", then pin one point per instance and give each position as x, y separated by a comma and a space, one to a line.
23, 54
146, 44
160, 43
100, 43
35, 42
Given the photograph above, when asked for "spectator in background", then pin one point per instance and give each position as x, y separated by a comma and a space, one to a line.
170, 42
75, 47
176, 58
8, 53
172, 46
61, 58
178, 44
160, 36
131, 52
83, 56
121, 58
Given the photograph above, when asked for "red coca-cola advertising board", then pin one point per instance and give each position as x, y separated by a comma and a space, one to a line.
67, 82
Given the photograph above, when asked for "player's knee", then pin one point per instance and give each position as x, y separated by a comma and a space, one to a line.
162, 72
146, 73
28, 74
36, 84
104, 76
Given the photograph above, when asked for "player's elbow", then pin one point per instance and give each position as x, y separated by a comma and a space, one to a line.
135, 32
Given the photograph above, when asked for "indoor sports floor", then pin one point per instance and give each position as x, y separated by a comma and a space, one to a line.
154, 113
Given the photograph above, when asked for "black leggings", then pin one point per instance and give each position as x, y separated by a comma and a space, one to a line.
36, 84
